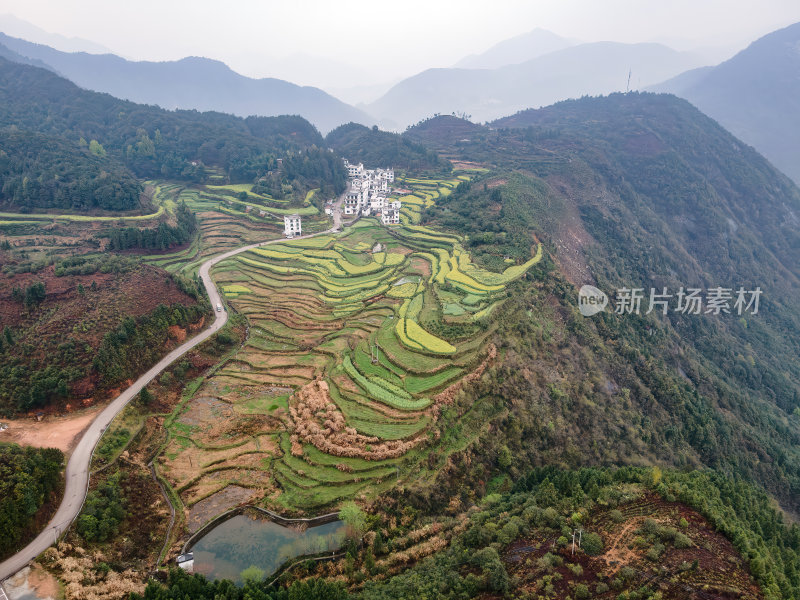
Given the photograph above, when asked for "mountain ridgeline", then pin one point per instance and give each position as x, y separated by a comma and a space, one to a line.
515, 50
190, 83
640, 191
98, 145
572, 72
628, 191
755, 95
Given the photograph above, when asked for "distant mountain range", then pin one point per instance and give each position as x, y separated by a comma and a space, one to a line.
16, 27
486, 94
190, 83
755, 95
516, 50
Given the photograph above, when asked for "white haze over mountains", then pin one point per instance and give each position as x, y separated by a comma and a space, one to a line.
375, 61
15, 27
516, 50
364, 43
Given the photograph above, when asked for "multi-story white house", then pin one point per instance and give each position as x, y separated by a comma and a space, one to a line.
368, 191
390, 215
354, 201
377, 202
354, 170
351, 205
292, 226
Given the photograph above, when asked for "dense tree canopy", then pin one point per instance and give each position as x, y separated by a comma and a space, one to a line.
40, 171
28, 478
376, 148
148, 140
156, 238
137, 343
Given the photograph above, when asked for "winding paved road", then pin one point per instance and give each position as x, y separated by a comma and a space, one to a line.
77, 473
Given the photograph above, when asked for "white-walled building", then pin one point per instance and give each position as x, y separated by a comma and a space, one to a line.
367, 193
377, 202
354, 200
354, 170
390, 214
292, 225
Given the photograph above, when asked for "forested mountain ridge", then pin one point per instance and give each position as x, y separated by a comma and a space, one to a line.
652, 136
42, 101
641, 191
191, 83
93, 129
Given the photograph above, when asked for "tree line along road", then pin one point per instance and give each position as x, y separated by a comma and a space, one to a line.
77, 472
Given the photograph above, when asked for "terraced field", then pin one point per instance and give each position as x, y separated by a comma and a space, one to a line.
226, 221
355, 341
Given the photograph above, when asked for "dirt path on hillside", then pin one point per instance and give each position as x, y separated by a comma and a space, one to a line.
616, 557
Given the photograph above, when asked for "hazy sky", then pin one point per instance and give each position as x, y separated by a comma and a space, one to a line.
389, 39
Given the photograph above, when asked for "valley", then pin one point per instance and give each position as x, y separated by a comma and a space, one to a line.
334, 325
238, 363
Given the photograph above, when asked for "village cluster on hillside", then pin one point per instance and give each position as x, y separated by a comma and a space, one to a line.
368, 192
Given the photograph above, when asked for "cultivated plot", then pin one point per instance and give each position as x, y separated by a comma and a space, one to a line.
355, 340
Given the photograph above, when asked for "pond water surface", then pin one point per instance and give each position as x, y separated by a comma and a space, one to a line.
248, 540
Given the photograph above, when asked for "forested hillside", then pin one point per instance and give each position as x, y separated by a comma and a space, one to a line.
156, 238
39, 171
644, 534
29, 478
639, 191
377, 148
151, 142
83, 325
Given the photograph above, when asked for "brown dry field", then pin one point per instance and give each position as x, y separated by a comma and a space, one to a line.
62, 432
